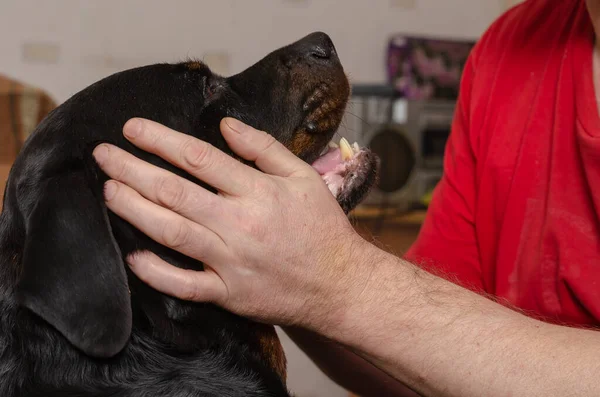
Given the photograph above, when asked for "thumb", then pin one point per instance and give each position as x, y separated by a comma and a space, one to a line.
185, 284
264, 150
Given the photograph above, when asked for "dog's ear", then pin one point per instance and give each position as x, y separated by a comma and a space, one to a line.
73, 274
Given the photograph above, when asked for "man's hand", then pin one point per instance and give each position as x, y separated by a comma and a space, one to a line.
276, 245
294, 265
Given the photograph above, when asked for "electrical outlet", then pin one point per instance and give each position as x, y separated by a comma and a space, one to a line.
218, 61
40, 52
406, 4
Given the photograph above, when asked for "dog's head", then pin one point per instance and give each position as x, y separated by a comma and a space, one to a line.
67, 251
297, 93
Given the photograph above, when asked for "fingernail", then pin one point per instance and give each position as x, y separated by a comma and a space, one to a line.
110, 189
132, 258
236, 125
133, 128
138, 259
101, 153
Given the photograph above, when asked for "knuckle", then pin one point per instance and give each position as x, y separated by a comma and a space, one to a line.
176, 234
190, 291
263, 186
270, 141
196, 154
170, 192
123, 168
155, 136
258, 232
252, 225
207, 207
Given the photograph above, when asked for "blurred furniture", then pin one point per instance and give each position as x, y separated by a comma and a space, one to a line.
407, 120
396, 234
426, 68
22, 107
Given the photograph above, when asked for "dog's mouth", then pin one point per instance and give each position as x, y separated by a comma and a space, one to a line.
348, 170
339, 164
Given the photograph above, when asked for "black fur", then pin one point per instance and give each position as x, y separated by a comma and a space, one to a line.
74, 321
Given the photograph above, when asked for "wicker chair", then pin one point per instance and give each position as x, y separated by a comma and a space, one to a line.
22, 107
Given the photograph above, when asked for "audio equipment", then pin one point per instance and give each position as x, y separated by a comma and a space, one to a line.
409, 136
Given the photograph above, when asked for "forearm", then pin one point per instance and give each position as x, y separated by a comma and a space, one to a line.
346, 368
428, 333
443, 340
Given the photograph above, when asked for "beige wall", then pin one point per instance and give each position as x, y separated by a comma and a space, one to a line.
72, 43
90, 39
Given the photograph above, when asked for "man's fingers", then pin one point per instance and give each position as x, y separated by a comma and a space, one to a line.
155, 183
197, 157
164, 226
258, 146
190, 285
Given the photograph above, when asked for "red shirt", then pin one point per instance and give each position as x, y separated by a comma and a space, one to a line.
517, 212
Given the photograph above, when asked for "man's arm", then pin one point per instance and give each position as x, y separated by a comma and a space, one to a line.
444, 340
309, 268
346, 368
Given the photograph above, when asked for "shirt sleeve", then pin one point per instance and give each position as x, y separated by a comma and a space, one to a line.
447, 243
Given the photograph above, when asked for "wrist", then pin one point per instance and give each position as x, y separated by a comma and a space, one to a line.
356, 269
379, 301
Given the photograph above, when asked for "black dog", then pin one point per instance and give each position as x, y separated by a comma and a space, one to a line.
74, 321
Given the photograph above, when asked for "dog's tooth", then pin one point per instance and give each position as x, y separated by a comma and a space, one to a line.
333, 145
346, 149
355, 147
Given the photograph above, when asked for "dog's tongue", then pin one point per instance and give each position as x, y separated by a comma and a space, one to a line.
329, 161
334, 165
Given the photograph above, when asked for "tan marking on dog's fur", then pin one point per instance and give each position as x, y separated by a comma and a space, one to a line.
194, 65
272, 350
301, 142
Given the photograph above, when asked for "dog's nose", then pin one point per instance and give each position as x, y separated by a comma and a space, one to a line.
317, 48
320, 46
